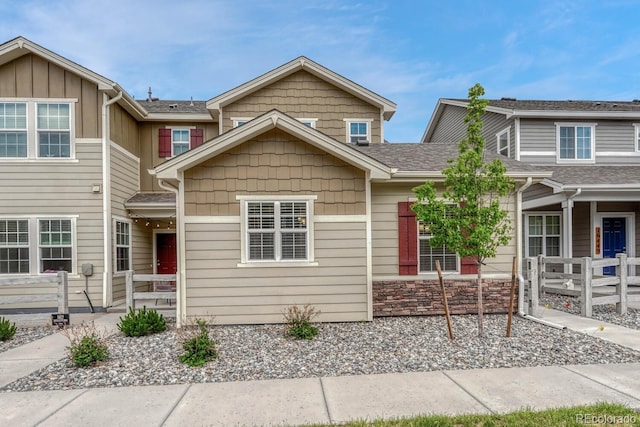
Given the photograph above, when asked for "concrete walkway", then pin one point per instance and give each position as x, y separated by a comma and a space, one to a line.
329, 400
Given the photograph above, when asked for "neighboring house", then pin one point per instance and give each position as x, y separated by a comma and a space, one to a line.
590, 205
281, 191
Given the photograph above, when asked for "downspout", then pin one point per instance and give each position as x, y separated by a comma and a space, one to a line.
106, 200
180, 291
519, 246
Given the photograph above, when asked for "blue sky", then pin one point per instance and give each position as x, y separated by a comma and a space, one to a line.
411, 52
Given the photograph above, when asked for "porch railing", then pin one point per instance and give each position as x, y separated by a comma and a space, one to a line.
588, 281
61, 296
132, 295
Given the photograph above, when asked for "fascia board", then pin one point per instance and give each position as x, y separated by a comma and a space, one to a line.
302, 63
253, 128
435, 116
22, 43
575, 114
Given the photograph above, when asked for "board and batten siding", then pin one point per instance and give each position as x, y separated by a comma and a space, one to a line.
303, 95
60, 188
31, 76
384, 229
149, 154
217, 286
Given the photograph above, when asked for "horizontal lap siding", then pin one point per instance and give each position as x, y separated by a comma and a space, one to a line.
125, 172
384, 226
61, 188
217, 286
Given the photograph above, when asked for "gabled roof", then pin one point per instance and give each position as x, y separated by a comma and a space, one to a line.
568, 109
171, 169
21, 46
302, 63
428, 160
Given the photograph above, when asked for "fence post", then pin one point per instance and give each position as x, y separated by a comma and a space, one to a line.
131, 304
63, 292
532, 304
586, 301
541, 279
621, 287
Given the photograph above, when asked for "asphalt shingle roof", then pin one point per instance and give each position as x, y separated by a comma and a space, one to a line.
567, 105
152, 198
430, 157
595, 175
162, 106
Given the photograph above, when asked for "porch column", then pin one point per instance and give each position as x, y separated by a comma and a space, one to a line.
567, 232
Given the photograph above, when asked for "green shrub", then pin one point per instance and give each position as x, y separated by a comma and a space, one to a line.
7, 329
199, 348
87, 345
142, 323
298, 321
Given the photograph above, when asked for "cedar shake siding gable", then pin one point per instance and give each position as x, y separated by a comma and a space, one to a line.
274, 163
304, 95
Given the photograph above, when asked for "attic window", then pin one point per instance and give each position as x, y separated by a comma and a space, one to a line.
358, 130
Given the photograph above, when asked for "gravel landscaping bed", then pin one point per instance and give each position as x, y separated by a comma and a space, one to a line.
401, 344
25, 335
604, 312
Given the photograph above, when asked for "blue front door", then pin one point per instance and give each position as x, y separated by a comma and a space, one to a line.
614, 240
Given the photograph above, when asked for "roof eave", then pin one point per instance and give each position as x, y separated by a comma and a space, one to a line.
172, 168
302, 63
575, 114
179, 117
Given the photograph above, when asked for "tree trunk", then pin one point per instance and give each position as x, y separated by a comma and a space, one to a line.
480, 306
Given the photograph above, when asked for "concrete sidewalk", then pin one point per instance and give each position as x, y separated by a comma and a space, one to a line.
329, 400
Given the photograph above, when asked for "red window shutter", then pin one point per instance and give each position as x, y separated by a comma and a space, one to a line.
197, 138
468, 265
164, 142
407, 240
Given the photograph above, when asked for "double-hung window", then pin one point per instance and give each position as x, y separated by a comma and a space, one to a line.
36, 129
503, 142
358, 130
543, 235
180, 140
53, 126
55, 245
277, 230
13, 129
122, 232
428, 255
14, 246
575, 142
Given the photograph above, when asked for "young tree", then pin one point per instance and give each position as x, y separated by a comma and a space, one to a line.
467, 217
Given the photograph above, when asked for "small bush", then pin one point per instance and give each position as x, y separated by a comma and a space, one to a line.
298, 321
87, 345
199, 348
7, 329
142, 323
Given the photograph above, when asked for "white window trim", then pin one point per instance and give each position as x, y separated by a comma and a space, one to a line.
28, 246
527, 215
173, 154
590, 160
117, 219
636, 136
498, 135
237, 120
422, 238
32, 131
245, 262
312, 122
348, 128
